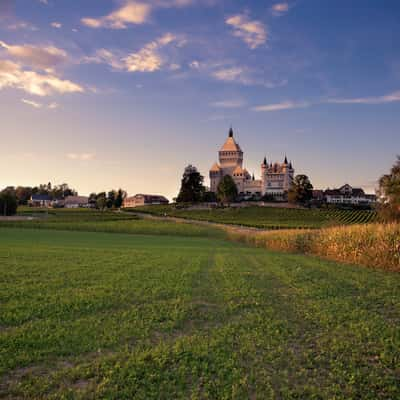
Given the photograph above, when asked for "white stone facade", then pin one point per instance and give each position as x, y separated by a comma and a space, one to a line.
276, 179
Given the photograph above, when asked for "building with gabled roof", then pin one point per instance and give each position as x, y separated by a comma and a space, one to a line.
143, 200
276, 178
347, 195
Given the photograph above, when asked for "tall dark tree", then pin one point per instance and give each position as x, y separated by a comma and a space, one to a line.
301, 190
389, 194
227, 190
111, 198
119, 199
8, 202
192, 188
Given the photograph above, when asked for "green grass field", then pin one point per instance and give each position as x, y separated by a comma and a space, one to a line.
268, 217
95, 315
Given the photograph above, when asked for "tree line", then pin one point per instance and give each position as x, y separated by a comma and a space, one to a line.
112, 199
12, 197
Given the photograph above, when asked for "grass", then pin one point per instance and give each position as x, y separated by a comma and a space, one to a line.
112, 222
268, 217
94, 315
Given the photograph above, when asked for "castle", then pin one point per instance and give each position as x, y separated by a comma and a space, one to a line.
275, 181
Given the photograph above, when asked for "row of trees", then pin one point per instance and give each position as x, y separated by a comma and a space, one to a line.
24, 193
11, 197
111, 199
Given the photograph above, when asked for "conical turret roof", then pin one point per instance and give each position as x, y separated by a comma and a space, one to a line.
230, 143
215, 167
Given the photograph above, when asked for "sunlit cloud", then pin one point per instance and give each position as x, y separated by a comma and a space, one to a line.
32, 103
12, 75
81, 156
53, 106
131, 13
280, 9
287, 105
147, 59
56, 25
252, 32
35, 56
136, 12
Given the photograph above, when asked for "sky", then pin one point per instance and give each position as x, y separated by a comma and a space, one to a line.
104, 94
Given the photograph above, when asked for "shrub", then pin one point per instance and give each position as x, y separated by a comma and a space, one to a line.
8, 203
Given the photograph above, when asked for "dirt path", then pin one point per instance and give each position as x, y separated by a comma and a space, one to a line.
238, 228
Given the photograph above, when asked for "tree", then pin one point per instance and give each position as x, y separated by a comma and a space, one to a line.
389, 194
111, 198
119, 199
227, 190
209, 197
301, 190
8, 203
101, 201
23, 194
192, 188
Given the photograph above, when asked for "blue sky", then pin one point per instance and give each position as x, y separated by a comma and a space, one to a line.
105, 94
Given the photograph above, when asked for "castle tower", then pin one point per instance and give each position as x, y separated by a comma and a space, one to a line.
230, 155
264, 171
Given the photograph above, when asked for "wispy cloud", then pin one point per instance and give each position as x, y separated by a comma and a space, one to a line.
32, 103
147, 59
388, 98
231, 74
81, 156
286, 105
280, 9
35, 104
36, 56
237, 103
228, 71
56, 25
12, 75
252, 32
53, 106
21, 25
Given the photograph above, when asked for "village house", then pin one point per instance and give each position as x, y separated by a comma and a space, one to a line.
40, 200
143, 200
76, 202
347, 195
